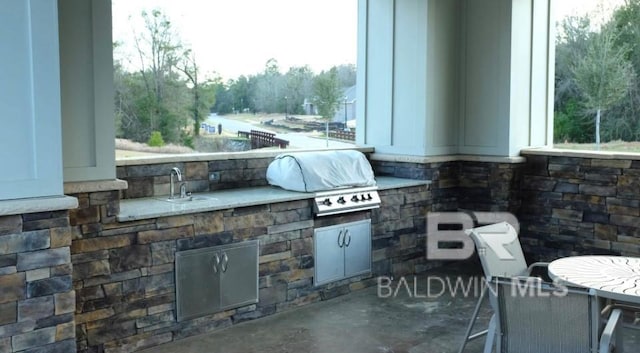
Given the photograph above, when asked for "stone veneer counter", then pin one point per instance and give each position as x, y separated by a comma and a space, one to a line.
146, 208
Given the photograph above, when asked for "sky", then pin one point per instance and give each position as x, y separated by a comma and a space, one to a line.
237, 37
565, 8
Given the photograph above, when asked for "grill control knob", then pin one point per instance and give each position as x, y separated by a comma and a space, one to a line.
362, 198
327, 202
341, 200
355, 198
369, 197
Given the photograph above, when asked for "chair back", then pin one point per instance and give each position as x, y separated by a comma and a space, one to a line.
499, 250
538, 317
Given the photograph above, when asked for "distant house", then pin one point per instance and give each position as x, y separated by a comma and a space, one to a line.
309, 107
347, 107
346, 104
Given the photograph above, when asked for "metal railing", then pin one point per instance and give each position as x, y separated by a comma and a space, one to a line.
349, 135
260, 139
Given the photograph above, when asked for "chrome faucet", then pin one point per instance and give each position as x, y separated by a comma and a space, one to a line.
183, 190
183, 187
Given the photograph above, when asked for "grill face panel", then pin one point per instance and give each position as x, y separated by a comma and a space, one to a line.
346, 200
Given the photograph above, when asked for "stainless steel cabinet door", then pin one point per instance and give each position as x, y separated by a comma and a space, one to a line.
197, 283
357, 249
329, 254
216, 278
239, 275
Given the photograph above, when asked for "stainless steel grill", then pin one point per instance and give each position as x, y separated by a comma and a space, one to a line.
342, 181
346, 200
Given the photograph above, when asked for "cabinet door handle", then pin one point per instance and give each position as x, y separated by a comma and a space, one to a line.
225, 262
216, 262
347, 238
340, 241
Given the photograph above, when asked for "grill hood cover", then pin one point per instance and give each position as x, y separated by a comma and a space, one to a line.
319, 171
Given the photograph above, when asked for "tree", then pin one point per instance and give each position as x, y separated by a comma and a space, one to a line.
241, 92
346, 75
570, 122
224, 98
571, 45
203, 94
603, 75
267, 91
298, 85
165, 92
159, 50
327, 93
626, 19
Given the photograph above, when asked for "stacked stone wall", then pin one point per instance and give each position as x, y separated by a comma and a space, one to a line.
153, 179
124, 275
578, 205
37, 300
461, 185
80, 279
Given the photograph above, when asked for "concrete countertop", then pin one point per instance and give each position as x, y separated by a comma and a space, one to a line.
153, 207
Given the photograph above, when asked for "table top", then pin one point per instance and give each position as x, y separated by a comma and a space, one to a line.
613, 277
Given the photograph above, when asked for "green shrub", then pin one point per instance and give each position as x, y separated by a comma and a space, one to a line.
187, 140
155, 140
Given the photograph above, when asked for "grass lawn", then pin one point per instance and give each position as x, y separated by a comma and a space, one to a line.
612, 146
120, 154
206, 143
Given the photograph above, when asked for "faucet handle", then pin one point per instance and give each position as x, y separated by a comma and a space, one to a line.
178, 173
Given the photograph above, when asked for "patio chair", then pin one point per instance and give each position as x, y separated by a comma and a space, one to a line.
501, 255
538, 317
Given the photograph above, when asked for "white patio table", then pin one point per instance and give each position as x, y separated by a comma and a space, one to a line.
612, 277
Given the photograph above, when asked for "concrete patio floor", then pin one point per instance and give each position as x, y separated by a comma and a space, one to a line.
363, 321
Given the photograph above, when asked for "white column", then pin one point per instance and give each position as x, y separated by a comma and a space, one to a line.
87, 90
455, 76
408, 75
508, 68
30, 142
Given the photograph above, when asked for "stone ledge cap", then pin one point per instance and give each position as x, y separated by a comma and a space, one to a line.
445, 158
581, 153
37, 204
94, 186
206, 157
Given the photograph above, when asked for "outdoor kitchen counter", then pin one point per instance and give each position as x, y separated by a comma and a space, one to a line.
154, 207
385, 183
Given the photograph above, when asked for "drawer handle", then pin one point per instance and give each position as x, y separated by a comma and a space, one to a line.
225, 262
340, 241
216, 263
347, 237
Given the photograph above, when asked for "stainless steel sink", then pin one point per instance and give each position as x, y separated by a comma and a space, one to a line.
192, 198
